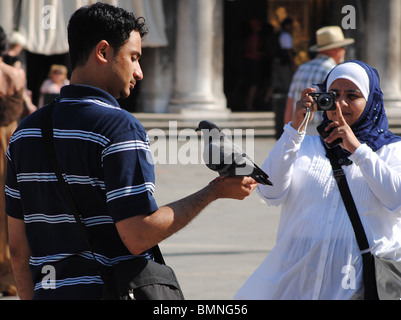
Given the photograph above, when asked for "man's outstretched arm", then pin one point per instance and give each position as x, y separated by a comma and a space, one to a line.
141, 233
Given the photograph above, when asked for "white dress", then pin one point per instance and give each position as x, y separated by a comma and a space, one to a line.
316, 255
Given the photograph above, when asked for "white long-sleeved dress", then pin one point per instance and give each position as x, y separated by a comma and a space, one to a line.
316, 255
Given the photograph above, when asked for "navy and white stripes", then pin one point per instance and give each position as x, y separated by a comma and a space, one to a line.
66, 218
130, 191
13, 193
103, 156
48, 260
126, 146
81, 135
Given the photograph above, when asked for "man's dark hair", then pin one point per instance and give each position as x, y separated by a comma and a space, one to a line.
91, 24
3, 42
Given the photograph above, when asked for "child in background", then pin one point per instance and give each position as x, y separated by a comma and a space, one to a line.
51, 87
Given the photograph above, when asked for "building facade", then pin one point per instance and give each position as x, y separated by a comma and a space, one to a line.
194, 59
201, 67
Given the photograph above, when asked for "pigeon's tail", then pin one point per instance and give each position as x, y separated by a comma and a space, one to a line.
260, 176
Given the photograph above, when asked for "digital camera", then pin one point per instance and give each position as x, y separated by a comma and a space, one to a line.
326, 101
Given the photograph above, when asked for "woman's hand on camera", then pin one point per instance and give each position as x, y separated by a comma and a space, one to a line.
301, 109
341, 130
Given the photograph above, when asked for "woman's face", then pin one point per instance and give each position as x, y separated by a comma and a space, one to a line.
350, 100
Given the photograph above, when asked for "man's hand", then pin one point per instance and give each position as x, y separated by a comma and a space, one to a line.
234, 187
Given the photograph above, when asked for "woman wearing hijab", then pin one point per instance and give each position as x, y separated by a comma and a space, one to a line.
316, 255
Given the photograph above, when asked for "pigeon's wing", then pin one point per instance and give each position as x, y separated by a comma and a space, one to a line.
228, 159
214, 157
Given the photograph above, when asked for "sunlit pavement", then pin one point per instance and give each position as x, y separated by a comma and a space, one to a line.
215, 254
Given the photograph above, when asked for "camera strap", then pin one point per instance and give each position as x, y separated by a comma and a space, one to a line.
305, 122
349, 203
368, 264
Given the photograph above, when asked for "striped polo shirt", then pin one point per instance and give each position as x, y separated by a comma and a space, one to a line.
104, 155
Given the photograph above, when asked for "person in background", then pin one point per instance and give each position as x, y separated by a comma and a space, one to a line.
284, 66
12, 57
16, 46
51, 87
331, 48
283, 69
12, 86
253, 58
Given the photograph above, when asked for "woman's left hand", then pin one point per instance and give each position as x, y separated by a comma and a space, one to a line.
342, 130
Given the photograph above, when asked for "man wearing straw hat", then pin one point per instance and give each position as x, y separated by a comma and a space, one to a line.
331, 51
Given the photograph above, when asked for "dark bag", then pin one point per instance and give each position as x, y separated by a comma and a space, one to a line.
138, 278
381, 277
142, 279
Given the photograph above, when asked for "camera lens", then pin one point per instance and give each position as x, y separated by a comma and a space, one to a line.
325, 102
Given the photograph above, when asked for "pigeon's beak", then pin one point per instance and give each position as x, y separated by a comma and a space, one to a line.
197, 129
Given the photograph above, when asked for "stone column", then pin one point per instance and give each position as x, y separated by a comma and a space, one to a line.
383, 47
197, 67
6, 16
156, 86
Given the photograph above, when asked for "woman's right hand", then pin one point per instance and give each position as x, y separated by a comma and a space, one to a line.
301, 109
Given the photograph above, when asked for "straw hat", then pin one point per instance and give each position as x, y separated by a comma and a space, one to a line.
329, 38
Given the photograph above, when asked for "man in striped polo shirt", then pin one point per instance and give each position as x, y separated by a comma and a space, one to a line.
104, 155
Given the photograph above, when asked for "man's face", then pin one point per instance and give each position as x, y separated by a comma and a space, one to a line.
125, 69
339, 55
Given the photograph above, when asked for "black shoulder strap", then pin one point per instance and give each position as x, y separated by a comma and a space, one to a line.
369, 279
349, 203
48, 138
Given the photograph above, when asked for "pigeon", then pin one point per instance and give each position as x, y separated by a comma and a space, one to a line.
223, 156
